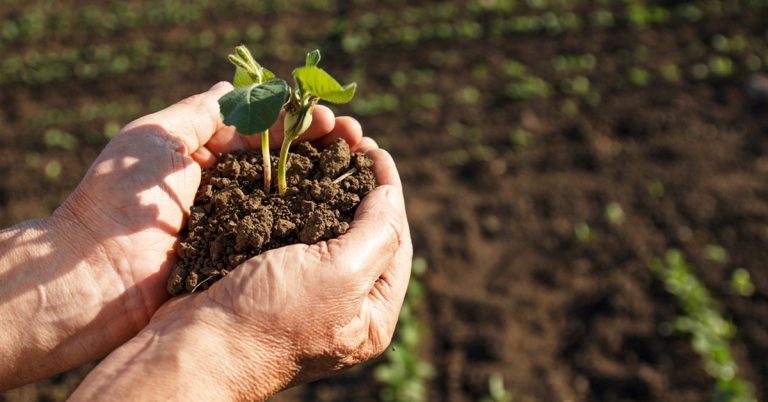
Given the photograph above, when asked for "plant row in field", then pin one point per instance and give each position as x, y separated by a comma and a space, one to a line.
404, 375
448, 21
710, 332
42, 21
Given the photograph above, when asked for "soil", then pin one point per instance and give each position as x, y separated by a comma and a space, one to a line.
232, 218
510, 288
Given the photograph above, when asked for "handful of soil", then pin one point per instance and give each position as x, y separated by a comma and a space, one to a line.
232, 219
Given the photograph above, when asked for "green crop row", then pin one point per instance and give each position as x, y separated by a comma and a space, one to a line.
404, 374
35, 67
711, 333
47, 20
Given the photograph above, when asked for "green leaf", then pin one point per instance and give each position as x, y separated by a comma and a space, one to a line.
315, 81
254, 108
267, 75
313, 58
247, 70
242, 78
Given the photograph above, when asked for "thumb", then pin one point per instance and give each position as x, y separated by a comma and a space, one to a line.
192, 121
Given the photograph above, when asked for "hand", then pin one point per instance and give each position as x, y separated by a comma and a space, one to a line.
287, 316
77, 285
132, 203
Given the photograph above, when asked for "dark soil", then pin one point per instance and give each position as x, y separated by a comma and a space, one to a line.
233, 220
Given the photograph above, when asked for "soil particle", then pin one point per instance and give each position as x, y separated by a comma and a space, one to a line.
233, 219
254, 230
318, 227
324, 190
283, 228
334, 160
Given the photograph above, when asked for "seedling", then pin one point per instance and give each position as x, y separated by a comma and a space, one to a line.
255, 103
497, 392
711, 332
741, 283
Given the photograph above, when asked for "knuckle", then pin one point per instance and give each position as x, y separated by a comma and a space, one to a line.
392, 231
192, 100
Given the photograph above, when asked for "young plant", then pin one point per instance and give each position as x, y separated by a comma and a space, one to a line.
255, 103
312, 85
711, 333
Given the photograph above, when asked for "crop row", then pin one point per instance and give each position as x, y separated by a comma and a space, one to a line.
434, 21
710, 332
53, 20
34, 67
448, 21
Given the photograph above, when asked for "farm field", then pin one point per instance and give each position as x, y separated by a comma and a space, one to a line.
572, 169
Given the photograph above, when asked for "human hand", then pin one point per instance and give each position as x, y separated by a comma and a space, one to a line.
82, 282
287, 316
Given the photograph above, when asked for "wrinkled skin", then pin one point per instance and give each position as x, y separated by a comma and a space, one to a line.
287, 316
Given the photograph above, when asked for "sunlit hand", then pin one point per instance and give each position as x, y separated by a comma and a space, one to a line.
285, 317
82, 282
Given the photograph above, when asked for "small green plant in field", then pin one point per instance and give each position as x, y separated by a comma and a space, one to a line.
639, 76
582, 232
741, 283
716, 253
614, 213
404, 374
255, 103
520, 138
496, 390
711, 333
721, 66
656, 188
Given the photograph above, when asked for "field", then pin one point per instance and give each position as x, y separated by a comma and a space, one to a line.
553, 153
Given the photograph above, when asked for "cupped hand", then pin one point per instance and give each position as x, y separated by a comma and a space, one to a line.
125, 215
287, 316
325, 306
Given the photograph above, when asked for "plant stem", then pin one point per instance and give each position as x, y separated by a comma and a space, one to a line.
282, 163
266, 161
298, 117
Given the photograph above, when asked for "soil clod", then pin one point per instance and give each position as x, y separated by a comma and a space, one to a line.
233, 219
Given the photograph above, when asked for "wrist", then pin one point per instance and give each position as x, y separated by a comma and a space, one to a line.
59, 313
123, 308
192, 354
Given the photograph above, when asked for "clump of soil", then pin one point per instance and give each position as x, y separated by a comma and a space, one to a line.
232, 219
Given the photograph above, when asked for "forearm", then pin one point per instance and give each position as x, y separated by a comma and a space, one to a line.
193, 356
50, 299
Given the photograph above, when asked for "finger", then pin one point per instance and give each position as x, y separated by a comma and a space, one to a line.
204, 157
384, 168
345, 128
323, 121
192, 121
365, 145
225, 140
374, 236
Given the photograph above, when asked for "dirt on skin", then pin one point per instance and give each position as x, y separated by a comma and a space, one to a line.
233, 219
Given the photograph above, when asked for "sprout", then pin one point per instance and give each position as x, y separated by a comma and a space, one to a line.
255, 103
312, 85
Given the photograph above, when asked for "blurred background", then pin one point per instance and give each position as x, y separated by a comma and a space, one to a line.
587, 181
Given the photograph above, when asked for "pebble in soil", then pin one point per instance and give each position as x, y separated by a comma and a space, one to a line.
232, 219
